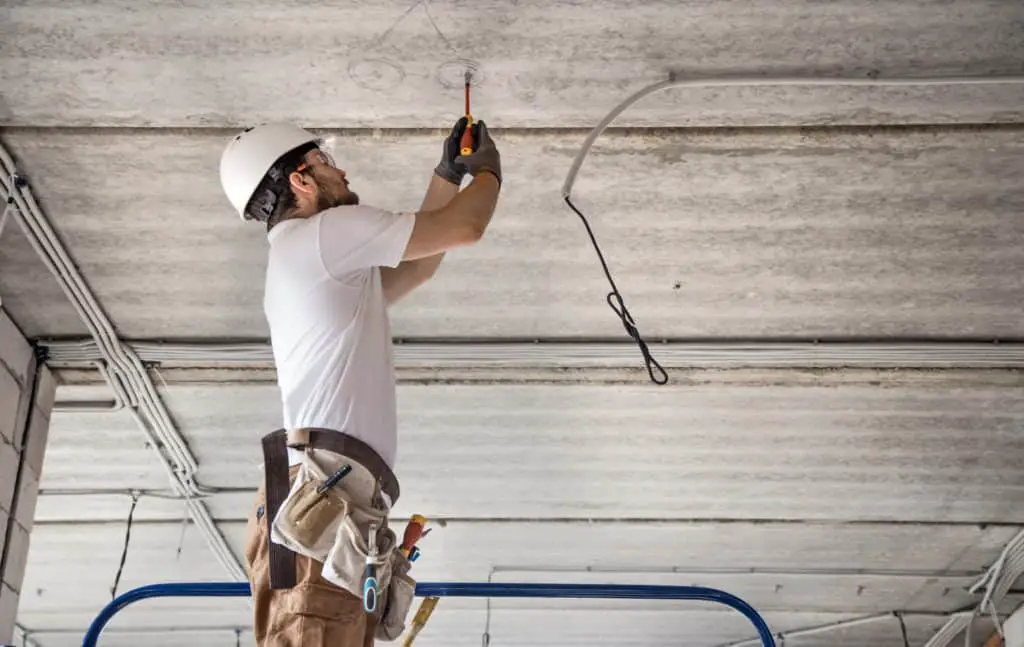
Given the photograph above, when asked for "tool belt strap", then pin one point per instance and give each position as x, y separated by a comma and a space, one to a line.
277, 483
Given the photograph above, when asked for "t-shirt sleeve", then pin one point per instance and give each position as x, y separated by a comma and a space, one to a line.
360, 237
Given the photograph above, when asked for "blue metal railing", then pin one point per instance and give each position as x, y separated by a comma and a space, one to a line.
456, 590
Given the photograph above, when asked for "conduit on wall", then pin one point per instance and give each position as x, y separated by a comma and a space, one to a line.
121, 365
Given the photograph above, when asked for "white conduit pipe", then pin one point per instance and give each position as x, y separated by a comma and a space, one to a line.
116, 353
64, 278
181, 479
762, 81
131, 368
43, 242
1001, 576
123, 365
997, 582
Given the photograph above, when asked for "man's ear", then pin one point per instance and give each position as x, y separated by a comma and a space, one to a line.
301, 184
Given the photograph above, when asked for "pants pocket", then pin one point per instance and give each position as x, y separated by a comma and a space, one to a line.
255, 538
314, 615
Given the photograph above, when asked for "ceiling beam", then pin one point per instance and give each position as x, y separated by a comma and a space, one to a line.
511, 354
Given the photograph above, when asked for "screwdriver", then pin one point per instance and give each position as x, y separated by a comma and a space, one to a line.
413, 533
371, 589
467, 137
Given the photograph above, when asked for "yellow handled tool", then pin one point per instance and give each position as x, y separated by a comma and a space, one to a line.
420, 620
467, 137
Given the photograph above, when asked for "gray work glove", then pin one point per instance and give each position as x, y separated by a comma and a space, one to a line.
448, 168
485, 157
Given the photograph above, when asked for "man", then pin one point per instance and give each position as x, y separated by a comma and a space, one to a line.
334, 267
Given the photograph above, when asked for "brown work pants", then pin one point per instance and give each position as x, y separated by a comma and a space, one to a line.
315, 613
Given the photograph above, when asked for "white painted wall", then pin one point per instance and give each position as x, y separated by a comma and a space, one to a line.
26, 399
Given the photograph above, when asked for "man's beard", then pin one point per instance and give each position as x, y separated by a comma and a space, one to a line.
325, 200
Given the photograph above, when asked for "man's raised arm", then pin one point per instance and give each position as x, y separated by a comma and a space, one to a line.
446, 222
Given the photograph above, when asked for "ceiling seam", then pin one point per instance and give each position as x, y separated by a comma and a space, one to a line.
764, 354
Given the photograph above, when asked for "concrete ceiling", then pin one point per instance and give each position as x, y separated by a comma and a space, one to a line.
867, 214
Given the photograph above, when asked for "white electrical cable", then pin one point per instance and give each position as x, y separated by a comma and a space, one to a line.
956, 623
9, 204
761, 81
997, 581
7, 211
1003, 573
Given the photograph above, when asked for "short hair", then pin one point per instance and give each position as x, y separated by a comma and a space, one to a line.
274, 198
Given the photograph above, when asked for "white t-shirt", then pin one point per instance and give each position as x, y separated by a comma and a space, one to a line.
328, 321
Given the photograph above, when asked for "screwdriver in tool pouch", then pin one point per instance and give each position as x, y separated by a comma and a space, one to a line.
467, 137
371, 590
333, 479
413, 533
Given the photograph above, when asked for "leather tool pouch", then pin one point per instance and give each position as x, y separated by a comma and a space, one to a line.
309, 520
398, 600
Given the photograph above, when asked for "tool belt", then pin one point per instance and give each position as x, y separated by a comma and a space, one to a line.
327, 519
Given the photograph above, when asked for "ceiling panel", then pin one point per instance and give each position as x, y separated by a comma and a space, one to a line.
539, 63
677, 452
925, 454
738, 234
68, 505
72, 567
31, 294
97, 450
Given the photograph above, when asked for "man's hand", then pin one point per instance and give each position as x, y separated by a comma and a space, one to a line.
486, 156
449, 169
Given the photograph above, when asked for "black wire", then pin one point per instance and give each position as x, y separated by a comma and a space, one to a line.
124, 551
619, 306
903, 630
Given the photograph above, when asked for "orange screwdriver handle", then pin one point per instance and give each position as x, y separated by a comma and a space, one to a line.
413, 532
467, 138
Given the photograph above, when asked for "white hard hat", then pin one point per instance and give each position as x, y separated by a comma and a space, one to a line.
252, 153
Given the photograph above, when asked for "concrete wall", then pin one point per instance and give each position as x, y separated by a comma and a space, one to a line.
26, 398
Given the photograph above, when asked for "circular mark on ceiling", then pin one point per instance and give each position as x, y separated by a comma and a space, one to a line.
376, 73
452, 74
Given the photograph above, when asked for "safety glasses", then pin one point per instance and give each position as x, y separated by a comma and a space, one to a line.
321, 157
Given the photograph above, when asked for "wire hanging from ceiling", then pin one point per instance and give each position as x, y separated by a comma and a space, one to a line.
873, 79
124, 550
